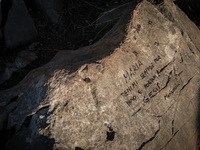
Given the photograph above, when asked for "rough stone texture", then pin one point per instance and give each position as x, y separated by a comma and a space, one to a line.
19, 28
141, 94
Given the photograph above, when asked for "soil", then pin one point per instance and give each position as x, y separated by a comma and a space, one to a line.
78, 30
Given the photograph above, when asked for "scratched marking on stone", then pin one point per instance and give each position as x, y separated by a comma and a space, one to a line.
130, 93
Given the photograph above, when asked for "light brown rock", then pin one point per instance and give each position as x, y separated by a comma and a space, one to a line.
141, 94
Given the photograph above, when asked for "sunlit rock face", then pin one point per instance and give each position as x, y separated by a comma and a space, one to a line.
136, 88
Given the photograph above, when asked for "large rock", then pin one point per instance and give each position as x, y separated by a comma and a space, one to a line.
141, 94
19, 27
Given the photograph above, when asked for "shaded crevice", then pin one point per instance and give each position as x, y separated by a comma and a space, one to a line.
85, 69
191, 50
170, 140
168, 80
67, 102
29, 117
178, 74
110, 134
13, 99
186, 84
163, 68
136, 111
159, 116
27, 121
181, 58
87, 80
172, 127
151, 139
39, 109
78, 148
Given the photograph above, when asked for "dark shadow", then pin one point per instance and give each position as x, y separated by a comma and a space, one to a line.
110, 134
78, 148
191, 9
99, 50
27, 137
5, 7
198, 118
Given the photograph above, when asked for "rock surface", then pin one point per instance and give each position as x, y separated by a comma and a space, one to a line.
19, 27
134, 89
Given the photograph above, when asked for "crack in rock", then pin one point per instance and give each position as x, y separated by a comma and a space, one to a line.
28, 117
186, 83
136, 111
173, 127
168, 80
163, 68
170, 140
151, 139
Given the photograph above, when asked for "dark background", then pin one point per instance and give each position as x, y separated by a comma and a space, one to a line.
77, 30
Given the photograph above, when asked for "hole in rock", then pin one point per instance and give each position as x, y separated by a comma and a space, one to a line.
138, 28
78, 148
13, 99
156, 43
87, 80
27, 121
110, 134
150, 22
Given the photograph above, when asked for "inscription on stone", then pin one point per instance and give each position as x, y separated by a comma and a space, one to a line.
172, 91
147, 70
129, 89
135, 71
150, 81
132, 71
133, 98
150, 67
152, 93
